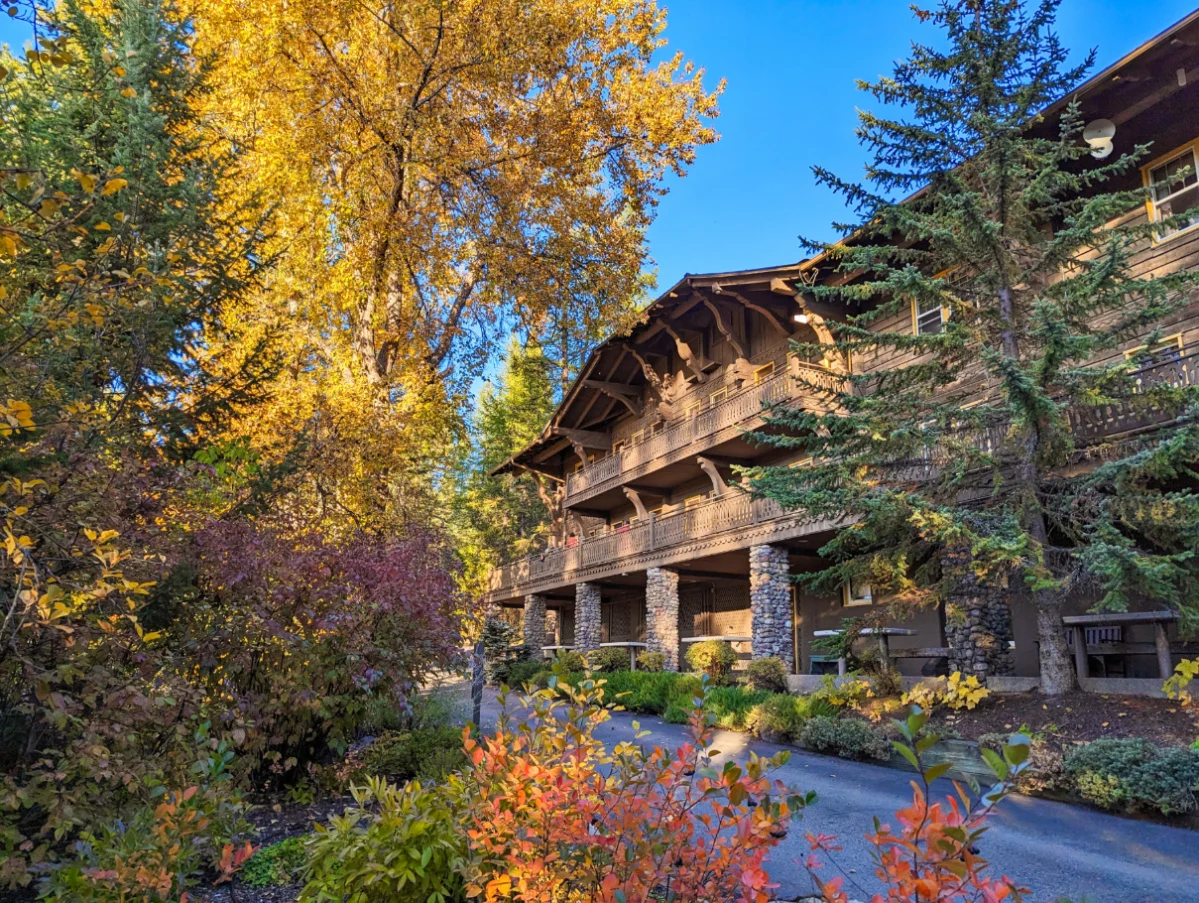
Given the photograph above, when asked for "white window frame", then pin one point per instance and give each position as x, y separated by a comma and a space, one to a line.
919, 326
1153, 201
852, 597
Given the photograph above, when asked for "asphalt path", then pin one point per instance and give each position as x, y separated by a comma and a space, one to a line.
1059, 851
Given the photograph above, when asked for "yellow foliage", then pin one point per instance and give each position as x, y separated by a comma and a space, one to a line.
957, 692
1178, 684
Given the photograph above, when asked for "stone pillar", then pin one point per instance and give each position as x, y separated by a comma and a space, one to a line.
662, 614
534, 624
770, 604
587, 617
978, 622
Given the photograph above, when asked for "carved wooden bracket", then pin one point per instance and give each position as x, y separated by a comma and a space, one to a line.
651, 375
627, 395
695, 361
709, 468
771, 317
586, 438
632, 496
741, 369
726, 329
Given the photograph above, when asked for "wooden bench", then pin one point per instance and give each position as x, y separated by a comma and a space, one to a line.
1081, 625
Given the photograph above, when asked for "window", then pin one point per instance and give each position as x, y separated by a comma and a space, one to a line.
693, 501
638, 437
1167, 351
718, 396
927, 317
617, 447
1173, 190
763, 373
855, 593
692, 409
657, 427
802, 462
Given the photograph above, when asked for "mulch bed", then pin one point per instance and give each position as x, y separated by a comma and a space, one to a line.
1077, 718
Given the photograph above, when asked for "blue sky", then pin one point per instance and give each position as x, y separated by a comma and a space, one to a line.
789, 104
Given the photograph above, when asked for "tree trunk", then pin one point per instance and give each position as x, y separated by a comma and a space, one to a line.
1057, 671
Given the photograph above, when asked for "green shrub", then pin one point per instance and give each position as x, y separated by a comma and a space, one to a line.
570, 661
1046, 764
155, 852
779, 717
397, 845
656, 661
844, 737
730, 706
640, 691
714, 658
277, 865
684, 689
525, 672
769, 674
500, 650
1135, 774
608, 661
428, 753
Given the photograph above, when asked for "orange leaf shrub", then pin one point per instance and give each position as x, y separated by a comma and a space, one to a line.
932, 857
554, 815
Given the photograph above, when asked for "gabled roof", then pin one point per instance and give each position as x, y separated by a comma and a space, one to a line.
615, 360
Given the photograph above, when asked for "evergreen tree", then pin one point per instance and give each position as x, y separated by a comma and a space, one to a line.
1013, 230
500, 516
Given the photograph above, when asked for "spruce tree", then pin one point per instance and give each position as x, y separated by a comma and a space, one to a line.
978, 202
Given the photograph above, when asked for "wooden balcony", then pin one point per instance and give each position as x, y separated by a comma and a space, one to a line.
694, 434
732, 521
1099, 423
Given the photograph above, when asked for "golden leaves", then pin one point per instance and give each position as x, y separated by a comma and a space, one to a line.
14, 416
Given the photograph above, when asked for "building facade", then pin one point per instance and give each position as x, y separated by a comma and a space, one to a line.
660, 546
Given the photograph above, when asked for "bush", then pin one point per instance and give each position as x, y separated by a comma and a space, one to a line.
608, 661
714, 658
652, 662
1135, 774
396, 845
1046, 764
570, 661
730, 706
427, 753
769, 674
779, 717
684, 690
538, 831
844, 694
641, 691
279, 864
524, 672
844, 737
155, 854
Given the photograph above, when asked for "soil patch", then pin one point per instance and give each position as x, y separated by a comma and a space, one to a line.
1076, 718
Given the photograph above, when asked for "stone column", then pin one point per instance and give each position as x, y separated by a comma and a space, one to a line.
770, 604
534, 624
978, 622
662, 614
587, 617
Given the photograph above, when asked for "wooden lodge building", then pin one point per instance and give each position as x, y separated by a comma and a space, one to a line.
659, 546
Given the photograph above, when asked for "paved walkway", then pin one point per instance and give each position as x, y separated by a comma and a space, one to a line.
1057, 850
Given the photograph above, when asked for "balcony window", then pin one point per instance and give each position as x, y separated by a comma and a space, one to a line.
617, 447
1174, 191
638, 437
693, 501
657, 427
763, 373
718, 396
855, 593
692, 409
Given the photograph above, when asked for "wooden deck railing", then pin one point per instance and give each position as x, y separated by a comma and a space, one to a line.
732, 511
688, 434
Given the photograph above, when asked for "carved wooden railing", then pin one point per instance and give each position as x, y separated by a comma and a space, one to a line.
732, 511
689, 433
1098, 421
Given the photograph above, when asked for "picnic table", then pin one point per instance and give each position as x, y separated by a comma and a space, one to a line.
633, 647
883, 634
1161, 639
728, 638
552, 649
